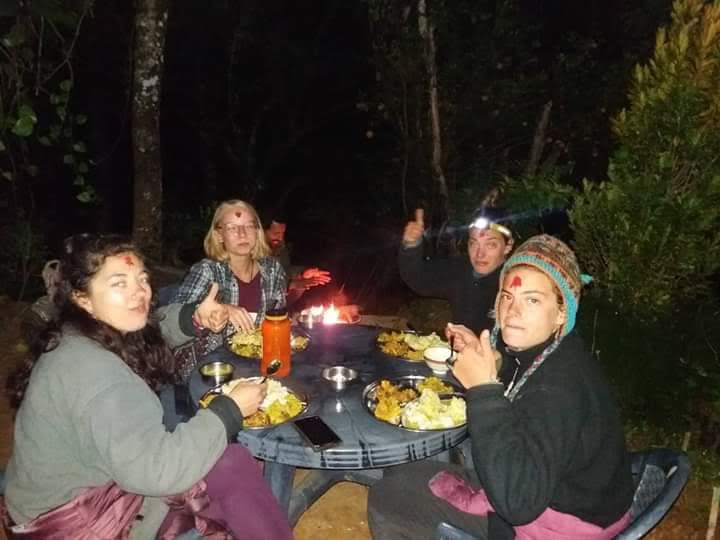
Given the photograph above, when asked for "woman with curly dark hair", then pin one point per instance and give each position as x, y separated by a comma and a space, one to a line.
91, 457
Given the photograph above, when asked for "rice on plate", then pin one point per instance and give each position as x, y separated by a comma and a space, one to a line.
280, 403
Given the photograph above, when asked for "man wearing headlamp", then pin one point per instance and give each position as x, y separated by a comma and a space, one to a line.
470, 285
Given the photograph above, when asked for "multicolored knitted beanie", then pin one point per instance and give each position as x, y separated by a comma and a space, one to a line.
556, 260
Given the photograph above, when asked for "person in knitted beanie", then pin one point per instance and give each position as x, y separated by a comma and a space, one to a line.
537, 303
546, 443
554, 259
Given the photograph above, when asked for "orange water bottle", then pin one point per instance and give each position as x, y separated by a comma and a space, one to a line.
276, 343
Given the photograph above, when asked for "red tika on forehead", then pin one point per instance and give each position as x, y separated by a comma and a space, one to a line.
129, 261
238, 214
516, 282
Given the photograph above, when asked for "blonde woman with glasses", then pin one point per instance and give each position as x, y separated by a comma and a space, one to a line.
250, 281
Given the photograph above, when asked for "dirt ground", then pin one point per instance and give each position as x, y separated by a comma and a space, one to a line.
341, 513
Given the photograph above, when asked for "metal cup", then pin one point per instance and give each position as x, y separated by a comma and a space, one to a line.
215, 373
339, 376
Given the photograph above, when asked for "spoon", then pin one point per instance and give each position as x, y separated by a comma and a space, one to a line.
271, 369
451, 359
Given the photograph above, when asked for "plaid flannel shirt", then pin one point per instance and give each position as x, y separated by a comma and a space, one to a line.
195, 286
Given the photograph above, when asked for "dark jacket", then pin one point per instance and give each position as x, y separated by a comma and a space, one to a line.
559, 444
471, 297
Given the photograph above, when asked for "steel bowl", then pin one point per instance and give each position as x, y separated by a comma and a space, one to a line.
215, 373
339, 376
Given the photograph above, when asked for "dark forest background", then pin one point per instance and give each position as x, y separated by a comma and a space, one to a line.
316, 110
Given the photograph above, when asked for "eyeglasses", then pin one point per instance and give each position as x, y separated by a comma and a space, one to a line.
234, 229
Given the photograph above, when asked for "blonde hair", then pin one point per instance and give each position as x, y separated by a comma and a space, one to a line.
215, 249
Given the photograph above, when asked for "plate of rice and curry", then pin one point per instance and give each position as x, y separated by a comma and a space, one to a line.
416, 403
249, 344
280, 405
408, 346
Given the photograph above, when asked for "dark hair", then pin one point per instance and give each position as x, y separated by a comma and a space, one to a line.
273, 215
144, 351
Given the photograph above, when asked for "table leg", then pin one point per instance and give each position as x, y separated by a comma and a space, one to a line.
462, 455
280, 478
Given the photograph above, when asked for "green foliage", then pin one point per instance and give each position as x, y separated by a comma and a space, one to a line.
650, 366
37, 126
650, 235
25, 122
530, 199
498, 65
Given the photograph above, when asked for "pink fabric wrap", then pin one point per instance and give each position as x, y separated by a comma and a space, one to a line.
549, 524
233, 501
185, 512
100, 513
107, 512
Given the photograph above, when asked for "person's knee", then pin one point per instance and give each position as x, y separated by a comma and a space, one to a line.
234, 453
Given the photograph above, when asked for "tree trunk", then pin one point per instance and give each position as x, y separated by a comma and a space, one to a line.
427, 31
538, 141
150, 30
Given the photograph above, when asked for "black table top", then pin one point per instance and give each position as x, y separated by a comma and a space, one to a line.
366, 441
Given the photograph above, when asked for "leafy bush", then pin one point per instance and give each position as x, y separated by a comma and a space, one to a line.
650, 235
40, 135
649, 366
531, 200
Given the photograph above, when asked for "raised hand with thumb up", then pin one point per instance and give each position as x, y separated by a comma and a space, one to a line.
414, 230
210, 313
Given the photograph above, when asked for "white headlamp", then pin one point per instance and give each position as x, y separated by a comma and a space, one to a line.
484, 223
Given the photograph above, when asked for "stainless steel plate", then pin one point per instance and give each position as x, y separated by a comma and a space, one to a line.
369, 397
254, 352
394, 356
216, 390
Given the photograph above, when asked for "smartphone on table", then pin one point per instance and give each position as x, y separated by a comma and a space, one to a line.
316, 433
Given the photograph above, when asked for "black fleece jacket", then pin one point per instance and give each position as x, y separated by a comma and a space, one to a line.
559, 444
471, 297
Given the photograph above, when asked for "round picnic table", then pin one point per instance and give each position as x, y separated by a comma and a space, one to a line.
368, 445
